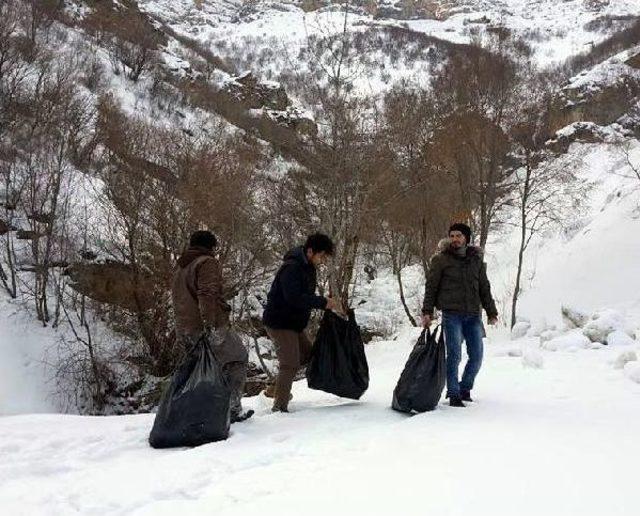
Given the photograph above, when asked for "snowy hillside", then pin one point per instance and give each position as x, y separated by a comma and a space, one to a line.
224, 106
593, 262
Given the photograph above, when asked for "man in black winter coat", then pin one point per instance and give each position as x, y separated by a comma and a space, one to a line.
457, 284
289, 303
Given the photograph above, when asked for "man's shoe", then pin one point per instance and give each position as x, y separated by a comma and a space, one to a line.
280, 409
456, 401
243, 416
270, 392
465, 395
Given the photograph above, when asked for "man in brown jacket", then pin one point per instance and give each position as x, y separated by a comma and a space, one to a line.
199, 307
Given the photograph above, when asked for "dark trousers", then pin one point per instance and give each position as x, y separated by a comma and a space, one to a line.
294, 351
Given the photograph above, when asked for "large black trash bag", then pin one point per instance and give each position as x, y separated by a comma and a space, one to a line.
195, 408
338, 363
421, 383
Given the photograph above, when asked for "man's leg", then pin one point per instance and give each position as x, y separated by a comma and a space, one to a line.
472, 331
236, 375
452, 326
288, 352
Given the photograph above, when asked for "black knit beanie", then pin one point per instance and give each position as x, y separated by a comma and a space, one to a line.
463, 228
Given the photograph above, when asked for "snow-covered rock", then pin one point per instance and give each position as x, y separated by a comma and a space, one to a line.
532, 358
632, 371
620, 338
520, 329
549, 334
624, 358
603, 323
572, 341
574, 318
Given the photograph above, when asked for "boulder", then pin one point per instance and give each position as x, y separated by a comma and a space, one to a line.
520, 329
255, 94
573, 318
603, 323
623, 358
113, 283
619, 338
572, 341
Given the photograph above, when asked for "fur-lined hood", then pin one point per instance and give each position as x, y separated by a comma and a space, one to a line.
444, 247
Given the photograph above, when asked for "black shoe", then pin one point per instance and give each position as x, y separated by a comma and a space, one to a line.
243, 416
456, 401
465, 395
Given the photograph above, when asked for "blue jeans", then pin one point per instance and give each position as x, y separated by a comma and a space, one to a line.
458, 326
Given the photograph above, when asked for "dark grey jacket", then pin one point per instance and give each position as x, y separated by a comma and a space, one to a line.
459, 284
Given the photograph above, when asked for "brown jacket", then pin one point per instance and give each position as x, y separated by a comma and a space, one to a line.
197, 293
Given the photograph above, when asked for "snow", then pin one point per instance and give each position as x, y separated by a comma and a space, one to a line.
624, 358
620, 338
572, 341
632, 371
23, 386
589, 265
559, 440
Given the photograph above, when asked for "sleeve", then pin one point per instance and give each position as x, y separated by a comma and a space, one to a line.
294, 291
434, 274
209, 291
485, 293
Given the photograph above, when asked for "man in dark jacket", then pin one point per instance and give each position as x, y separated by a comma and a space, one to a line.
289, 304
457, 284
200, 309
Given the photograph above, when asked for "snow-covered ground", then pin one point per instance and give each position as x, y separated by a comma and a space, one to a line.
23, 345
560, 439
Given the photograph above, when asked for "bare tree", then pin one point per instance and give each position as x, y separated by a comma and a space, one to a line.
547, 190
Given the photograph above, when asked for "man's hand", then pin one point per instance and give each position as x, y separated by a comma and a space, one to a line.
426, 320
493, 320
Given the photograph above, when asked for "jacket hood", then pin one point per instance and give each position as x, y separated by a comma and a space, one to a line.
191, 254
296, 254
444, 246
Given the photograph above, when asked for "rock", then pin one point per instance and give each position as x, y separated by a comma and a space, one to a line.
634, 61
548, 334
520, 329
623, 358
619, 338
603, 323
113, 283
255, 94
572, 341
573, 318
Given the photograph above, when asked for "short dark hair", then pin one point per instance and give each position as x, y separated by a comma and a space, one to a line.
204, 239
463, 228
318, 243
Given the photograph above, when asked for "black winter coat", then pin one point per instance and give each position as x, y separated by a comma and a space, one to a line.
292, 295
458, 283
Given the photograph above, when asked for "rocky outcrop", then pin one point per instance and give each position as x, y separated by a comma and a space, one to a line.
113, 283
601, 95
255, 94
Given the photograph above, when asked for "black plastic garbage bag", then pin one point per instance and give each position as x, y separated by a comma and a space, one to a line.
338, 363
195, 408
424, 376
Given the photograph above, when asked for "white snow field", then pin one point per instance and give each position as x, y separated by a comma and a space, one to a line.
562, 439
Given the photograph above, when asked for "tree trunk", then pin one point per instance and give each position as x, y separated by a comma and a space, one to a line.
402, 298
